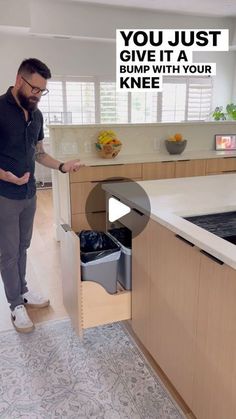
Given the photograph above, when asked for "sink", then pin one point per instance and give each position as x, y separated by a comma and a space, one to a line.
221, 224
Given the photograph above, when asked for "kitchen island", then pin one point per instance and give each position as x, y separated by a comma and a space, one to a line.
184, 289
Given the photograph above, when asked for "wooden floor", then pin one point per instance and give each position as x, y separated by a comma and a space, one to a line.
43, 266
44, 275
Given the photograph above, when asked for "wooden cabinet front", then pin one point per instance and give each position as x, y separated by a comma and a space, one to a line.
99, 173
87, 302
174, 279
88, 203
221, 165
160, 170
141, 284
215, 373
190, 168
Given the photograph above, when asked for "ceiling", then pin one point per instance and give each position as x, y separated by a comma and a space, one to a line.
222, 8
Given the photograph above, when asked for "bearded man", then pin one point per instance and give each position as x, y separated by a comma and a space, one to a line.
21, 143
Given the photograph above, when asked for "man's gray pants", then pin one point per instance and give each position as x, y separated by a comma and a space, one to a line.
16, 227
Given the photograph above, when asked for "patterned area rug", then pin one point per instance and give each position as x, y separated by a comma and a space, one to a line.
51, 373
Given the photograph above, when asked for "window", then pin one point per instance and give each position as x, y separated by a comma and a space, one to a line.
113, 104
199, 98
144, 107
174, 101
90, 100
80, 102
52, 106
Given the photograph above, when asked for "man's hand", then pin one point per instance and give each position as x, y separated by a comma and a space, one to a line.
10, 177
72, 165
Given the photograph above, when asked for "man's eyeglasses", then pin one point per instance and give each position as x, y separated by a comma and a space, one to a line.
36, 90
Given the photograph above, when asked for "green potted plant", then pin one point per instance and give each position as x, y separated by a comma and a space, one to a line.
231, 111
218, 114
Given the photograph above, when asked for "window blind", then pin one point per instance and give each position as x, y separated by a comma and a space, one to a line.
199, 98
88, 100
113, 104
80, 101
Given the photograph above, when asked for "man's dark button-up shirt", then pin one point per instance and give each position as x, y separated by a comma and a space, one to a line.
18, 139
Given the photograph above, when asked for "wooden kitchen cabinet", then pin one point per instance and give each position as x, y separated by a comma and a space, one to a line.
87, 302
100, 173
159, 170
215, 373
174, 281
186, 168
220, 165
141, 284
167, 170
75, 188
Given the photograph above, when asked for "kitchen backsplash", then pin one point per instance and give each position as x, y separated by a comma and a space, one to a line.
136, 138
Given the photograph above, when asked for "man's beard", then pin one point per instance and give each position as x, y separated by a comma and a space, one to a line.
28, 103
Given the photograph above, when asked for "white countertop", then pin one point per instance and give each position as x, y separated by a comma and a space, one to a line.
156, 156
172, 199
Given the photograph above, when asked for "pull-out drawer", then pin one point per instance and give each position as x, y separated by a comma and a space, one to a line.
87, 303
97, 173
85, 221
159, 170
80, 191
190, 168
220, 165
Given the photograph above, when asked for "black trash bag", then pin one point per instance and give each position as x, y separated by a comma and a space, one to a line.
123, 235
95, 245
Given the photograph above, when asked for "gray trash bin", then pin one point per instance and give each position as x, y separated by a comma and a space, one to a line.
123, 237
99, 259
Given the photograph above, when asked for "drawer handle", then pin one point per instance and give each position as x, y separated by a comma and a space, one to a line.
105, 165
184, 240
66, 227
137, 211
220, 262
110, 180
98, 212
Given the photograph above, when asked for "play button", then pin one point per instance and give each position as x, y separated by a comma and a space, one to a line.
116, 209
104, 214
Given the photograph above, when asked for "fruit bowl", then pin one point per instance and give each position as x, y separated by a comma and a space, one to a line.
175, 147
108, 151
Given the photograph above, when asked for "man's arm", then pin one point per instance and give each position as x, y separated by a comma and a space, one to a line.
46, 160
11, 178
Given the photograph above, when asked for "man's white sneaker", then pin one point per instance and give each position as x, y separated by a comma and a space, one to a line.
31, 299
21, 320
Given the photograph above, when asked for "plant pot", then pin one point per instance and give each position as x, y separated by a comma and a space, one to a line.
175, 147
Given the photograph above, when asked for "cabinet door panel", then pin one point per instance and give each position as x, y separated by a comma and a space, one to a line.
161, 170
221, 165
140, 284
71, 284
173, 307
80, 193
190, 168
215, 381
97, 173
80, 221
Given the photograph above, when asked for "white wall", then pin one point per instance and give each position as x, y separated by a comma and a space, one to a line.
97, 57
